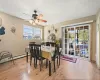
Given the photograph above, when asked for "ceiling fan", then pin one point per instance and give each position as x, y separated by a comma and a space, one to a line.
37, 19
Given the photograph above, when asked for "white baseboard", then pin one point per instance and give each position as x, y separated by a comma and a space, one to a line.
16, 57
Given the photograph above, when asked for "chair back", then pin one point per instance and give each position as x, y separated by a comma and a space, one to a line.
56, 52
50, 43
38, 51
32, 42
43, 43
47, 43
53, 44
32, 49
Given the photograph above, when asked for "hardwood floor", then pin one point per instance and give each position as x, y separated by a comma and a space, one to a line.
82, 70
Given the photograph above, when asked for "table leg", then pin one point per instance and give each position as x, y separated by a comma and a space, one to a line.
27, 56
49, 68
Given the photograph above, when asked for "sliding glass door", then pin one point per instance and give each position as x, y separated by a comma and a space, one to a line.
76, 41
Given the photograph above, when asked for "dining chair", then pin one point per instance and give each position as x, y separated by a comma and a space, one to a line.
47, 43
32, 54
50, 43
53, 44
56, 56
39, 57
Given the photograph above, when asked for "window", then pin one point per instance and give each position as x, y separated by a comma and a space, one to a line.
30, 32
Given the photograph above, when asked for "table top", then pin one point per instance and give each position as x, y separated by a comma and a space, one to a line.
46, 48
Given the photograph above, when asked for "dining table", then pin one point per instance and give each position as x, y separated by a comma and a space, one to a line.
47, 52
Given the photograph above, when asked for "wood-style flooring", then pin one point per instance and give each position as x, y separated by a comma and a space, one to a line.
81, 70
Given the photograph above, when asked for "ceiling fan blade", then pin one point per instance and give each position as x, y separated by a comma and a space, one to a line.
40, 16
43, 20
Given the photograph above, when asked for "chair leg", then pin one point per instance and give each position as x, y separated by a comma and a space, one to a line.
27, 56
54, 67
30, 60
46, 63
49, 68
59, 60
34, 63
40, 62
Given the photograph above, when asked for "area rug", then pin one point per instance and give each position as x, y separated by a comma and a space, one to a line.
68, 58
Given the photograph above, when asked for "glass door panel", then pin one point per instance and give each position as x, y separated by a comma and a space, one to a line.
66, 40
81, 41
86, 41
77, 49
63, 40
71, 41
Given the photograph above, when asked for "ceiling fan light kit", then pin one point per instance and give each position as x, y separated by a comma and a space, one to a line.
30, 21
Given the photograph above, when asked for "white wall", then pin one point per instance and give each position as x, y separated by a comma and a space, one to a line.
46, 34
98, 40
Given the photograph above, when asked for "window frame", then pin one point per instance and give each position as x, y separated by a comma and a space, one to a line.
33, 32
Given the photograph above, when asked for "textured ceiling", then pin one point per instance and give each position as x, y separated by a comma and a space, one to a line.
54, 11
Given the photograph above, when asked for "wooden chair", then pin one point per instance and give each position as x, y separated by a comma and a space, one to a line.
32, 54
50, 43
56, 56
47, 43
37, 55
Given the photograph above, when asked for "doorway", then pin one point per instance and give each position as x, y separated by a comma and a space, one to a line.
76, 41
